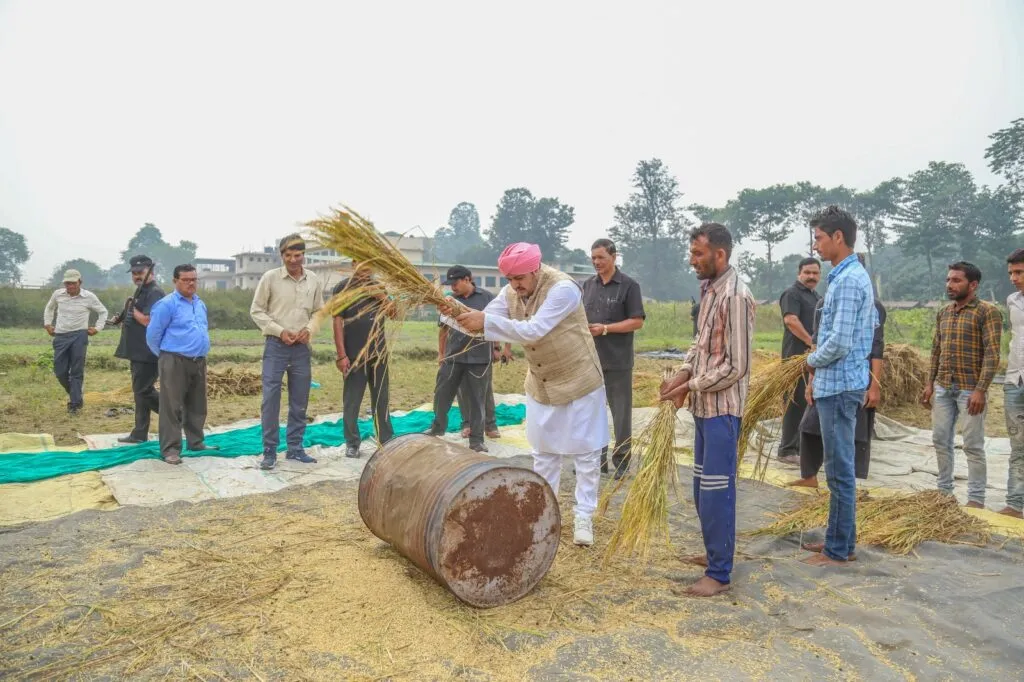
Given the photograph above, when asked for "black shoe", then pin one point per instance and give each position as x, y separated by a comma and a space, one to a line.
479, 447
130, 440
352, 452
74, 411
268, 462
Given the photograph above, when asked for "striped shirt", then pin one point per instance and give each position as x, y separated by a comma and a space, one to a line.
719, 361
72, 312
965, 348
848, 320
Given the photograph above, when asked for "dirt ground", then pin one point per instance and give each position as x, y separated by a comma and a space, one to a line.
291, 586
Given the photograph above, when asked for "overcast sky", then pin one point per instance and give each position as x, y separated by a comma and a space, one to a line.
226, 123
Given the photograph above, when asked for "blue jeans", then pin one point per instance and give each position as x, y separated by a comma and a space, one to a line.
714, 490
279, 359
1014, 408
837, 415
949, 405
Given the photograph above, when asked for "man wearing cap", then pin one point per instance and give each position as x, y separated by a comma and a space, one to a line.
283, 308
132, 346
178, 333
542, 308
464, 362
66, 319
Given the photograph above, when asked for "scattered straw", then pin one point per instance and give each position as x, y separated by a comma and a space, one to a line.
644, 513
771, 389
230, 381
897, 522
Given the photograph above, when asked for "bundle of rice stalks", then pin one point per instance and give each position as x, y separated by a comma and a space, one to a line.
771, 390
898, 522
644, 513
904, 375
351, 235
232, 381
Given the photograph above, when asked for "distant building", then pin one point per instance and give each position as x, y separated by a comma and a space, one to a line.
215, 273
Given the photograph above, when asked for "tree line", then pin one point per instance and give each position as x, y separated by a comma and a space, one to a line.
909, 227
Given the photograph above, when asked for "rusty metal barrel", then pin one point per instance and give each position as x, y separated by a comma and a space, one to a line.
484, 529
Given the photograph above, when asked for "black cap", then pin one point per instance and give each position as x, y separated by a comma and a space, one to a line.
457, 272
139, 263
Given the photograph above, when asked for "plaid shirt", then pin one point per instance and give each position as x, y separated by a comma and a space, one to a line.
965, 349
719, 361
848, 321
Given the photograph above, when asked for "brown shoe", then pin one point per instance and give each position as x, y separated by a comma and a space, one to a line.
493, 433
173, 459
1011, 512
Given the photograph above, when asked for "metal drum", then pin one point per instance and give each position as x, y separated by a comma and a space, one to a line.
484, 529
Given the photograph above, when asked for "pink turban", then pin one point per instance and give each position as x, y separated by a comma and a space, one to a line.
519, 259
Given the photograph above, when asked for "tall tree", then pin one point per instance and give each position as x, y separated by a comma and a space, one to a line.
933, 219
650, 231
13, 254
755, 270
93, 276
150, 242
520, 217
874, 211
461, 234
809, 198
1006, 154
998, 220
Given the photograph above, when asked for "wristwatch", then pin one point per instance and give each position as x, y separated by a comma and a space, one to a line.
605, 331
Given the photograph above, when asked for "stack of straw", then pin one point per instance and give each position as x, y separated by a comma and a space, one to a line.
898, 522
904, 375
645, 510
232, 381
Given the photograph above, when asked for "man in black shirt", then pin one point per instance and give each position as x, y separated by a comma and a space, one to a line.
615, 310
132, 347
352, 329
797, 303
464, 361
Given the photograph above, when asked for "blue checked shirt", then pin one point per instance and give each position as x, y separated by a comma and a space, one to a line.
848, 322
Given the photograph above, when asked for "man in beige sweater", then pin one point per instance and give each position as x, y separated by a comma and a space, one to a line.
542, 308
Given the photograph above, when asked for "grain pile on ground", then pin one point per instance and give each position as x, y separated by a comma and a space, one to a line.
897, 522
233, 381
903, 377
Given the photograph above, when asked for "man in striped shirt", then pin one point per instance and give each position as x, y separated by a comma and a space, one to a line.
714, 378
66, 319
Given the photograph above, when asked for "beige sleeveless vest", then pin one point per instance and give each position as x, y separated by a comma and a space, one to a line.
563, 366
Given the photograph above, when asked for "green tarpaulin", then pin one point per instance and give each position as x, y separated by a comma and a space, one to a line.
21, 467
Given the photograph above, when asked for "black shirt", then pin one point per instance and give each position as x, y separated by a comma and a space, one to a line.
457, 343
800, 301
359, 319
132, 345
615, 301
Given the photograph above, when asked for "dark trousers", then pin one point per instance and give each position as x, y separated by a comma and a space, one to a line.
450, 377
280, 359
790, 443
490, 421
376, 375
147, 399
812, 450
182, 401
714, 490
618, 388
69, 363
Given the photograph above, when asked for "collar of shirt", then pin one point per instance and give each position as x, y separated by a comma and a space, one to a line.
806, 288
178, 297
973, 303
842, 267
721, 283
616, 277
285, 275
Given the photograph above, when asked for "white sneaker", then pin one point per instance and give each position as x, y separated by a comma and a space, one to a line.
584, 531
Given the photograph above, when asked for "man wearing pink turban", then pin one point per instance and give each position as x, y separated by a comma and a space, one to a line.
542, 308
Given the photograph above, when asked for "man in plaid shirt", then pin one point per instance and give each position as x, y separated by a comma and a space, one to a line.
965, 356
840, 374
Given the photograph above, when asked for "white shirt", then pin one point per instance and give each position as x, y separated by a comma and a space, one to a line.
575, 428
73, 311
1015, 362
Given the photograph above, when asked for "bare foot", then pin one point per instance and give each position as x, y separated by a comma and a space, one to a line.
697, 559
1011, 512
820, 547
975, 505
811, 482
705, 587
822, 560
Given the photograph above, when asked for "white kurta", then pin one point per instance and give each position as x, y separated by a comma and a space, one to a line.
575, 428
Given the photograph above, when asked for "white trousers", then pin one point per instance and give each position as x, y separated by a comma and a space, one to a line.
588, 477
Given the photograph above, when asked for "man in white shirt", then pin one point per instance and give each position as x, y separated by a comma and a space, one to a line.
1013, 389
66, 319
542, 309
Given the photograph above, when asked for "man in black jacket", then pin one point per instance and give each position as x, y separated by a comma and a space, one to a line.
132, 347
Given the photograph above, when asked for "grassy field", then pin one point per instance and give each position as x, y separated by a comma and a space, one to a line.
31, 401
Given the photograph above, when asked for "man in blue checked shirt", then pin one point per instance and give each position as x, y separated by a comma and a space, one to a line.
178, 333
840, 373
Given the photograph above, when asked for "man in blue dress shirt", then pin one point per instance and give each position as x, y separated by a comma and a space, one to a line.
179, 335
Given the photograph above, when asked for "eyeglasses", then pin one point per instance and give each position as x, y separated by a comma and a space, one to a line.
187, 279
